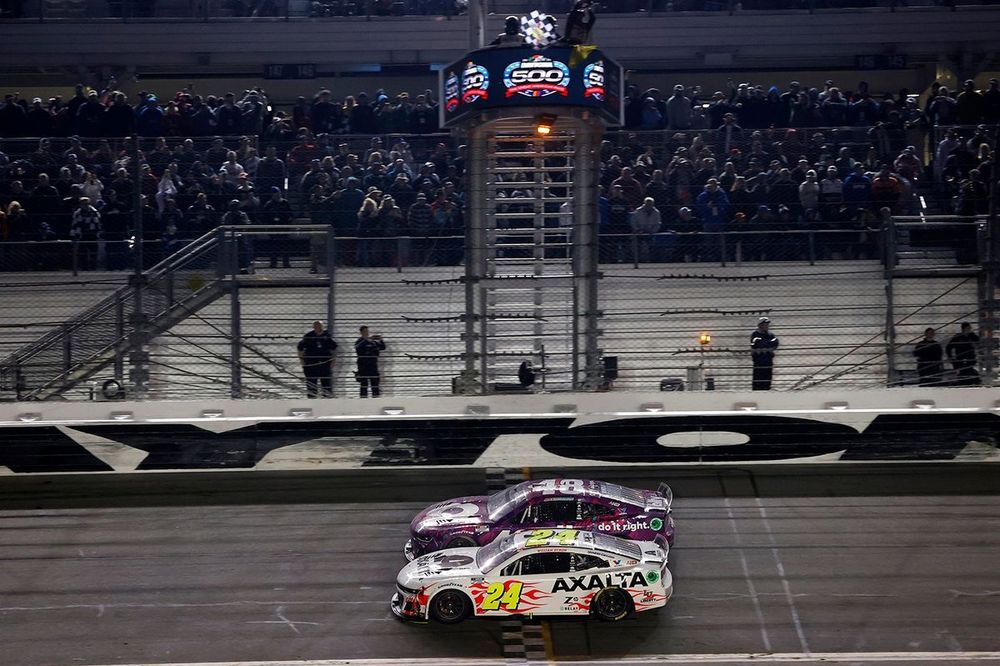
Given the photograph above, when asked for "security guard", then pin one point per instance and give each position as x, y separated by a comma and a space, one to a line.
368, 348
316, 350
763, 344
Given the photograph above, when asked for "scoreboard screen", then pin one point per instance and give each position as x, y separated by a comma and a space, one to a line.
522, 77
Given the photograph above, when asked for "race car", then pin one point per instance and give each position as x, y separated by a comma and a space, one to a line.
596, 506
533, 573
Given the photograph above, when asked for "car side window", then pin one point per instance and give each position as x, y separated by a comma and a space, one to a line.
591, 511
580, 562
539, 563
560, 510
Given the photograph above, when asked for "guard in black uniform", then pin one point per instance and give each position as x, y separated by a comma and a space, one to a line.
316, 350
929, 359
368, 347
961, 350
763, 344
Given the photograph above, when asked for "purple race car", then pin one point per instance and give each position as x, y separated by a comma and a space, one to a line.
597, 506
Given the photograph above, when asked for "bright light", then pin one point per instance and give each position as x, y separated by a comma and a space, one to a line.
544, 123
705, 338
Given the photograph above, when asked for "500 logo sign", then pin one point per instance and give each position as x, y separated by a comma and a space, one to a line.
475, 83
451, 92
536, 76
593, 80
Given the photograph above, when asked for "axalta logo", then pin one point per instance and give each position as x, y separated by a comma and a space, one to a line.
599, 582
475, 83
593, 80
536, 76
451, 92
627, 525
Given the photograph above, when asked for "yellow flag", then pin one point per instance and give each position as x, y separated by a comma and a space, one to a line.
580, 53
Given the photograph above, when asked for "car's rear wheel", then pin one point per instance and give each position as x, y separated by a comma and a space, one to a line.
461, 542
450, 607
611, 605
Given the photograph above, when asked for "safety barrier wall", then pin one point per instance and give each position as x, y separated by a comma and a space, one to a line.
549, 431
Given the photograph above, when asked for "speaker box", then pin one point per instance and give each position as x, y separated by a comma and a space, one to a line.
611, 367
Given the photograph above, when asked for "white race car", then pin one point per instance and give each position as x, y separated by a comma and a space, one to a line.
536, 572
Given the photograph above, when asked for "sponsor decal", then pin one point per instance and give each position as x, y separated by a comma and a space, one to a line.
656, 524
451, 92
475, 83
653, 576
536, 76
599, 581
593, 80
624, 525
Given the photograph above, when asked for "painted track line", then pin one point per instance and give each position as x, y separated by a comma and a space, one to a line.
765, 638
749, 658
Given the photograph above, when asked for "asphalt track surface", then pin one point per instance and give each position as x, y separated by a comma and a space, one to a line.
850, 577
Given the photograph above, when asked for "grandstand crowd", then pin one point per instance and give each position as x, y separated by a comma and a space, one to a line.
751, 158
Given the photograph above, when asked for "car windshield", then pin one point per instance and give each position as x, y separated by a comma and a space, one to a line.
503, 502
490, 555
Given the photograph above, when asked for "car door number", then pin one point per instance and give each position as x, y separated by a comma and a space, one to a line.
508, 594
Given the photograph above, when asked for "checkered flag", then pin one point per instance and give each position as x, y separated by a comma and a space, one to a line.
539, 29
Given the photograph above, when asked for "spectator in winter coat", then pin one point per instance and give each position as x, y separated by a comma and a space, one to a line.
679, 110
646, 222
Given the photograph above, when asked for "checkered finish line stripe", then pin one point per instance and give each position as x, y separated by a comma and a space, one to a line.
522, 640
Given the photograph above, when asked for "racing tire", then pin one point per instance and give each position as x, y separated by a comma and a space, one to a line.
450, 607
611, 605
461, 542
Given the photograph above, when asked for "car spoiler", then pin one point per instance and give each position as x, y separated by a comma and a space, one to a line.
666, 493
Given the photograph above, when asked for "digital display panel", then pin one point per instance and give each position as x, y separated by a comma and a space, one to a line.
523, 77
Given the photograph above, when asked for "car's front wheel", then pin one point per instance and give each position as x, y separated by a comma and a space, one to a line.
611, 605
461, 542
450, 607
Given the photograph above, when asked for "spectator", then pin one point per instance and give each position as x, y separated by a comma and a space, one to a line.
316, 354
368, 347
616, 247
929, 356
961, 351
942, 109
86, 229
679, 110
969, 104
809, 193
991, 103
646, 222
713, 208
885, 190
149, 120
276, 211
763, 345
857, 189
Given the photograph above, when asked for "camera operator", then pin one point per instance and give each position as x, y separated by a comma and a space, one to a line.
368, 347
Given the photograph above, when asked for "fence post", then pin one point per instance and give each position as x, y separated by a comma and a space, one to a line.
120, 335
67, 348
722, 247
399, 254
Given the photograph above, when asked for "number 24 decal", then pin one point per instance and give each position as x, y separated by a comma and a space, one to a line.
540, 538
508, 594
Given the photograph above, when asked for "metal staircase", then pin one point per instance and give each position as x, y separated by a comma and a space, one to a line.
105, 334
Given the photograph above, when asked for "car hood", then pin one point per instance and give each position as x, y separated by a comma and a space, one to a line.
454, 562
458, 512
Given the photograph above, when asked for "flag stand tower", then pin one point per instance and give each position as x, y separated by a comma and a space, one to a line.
532, 122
